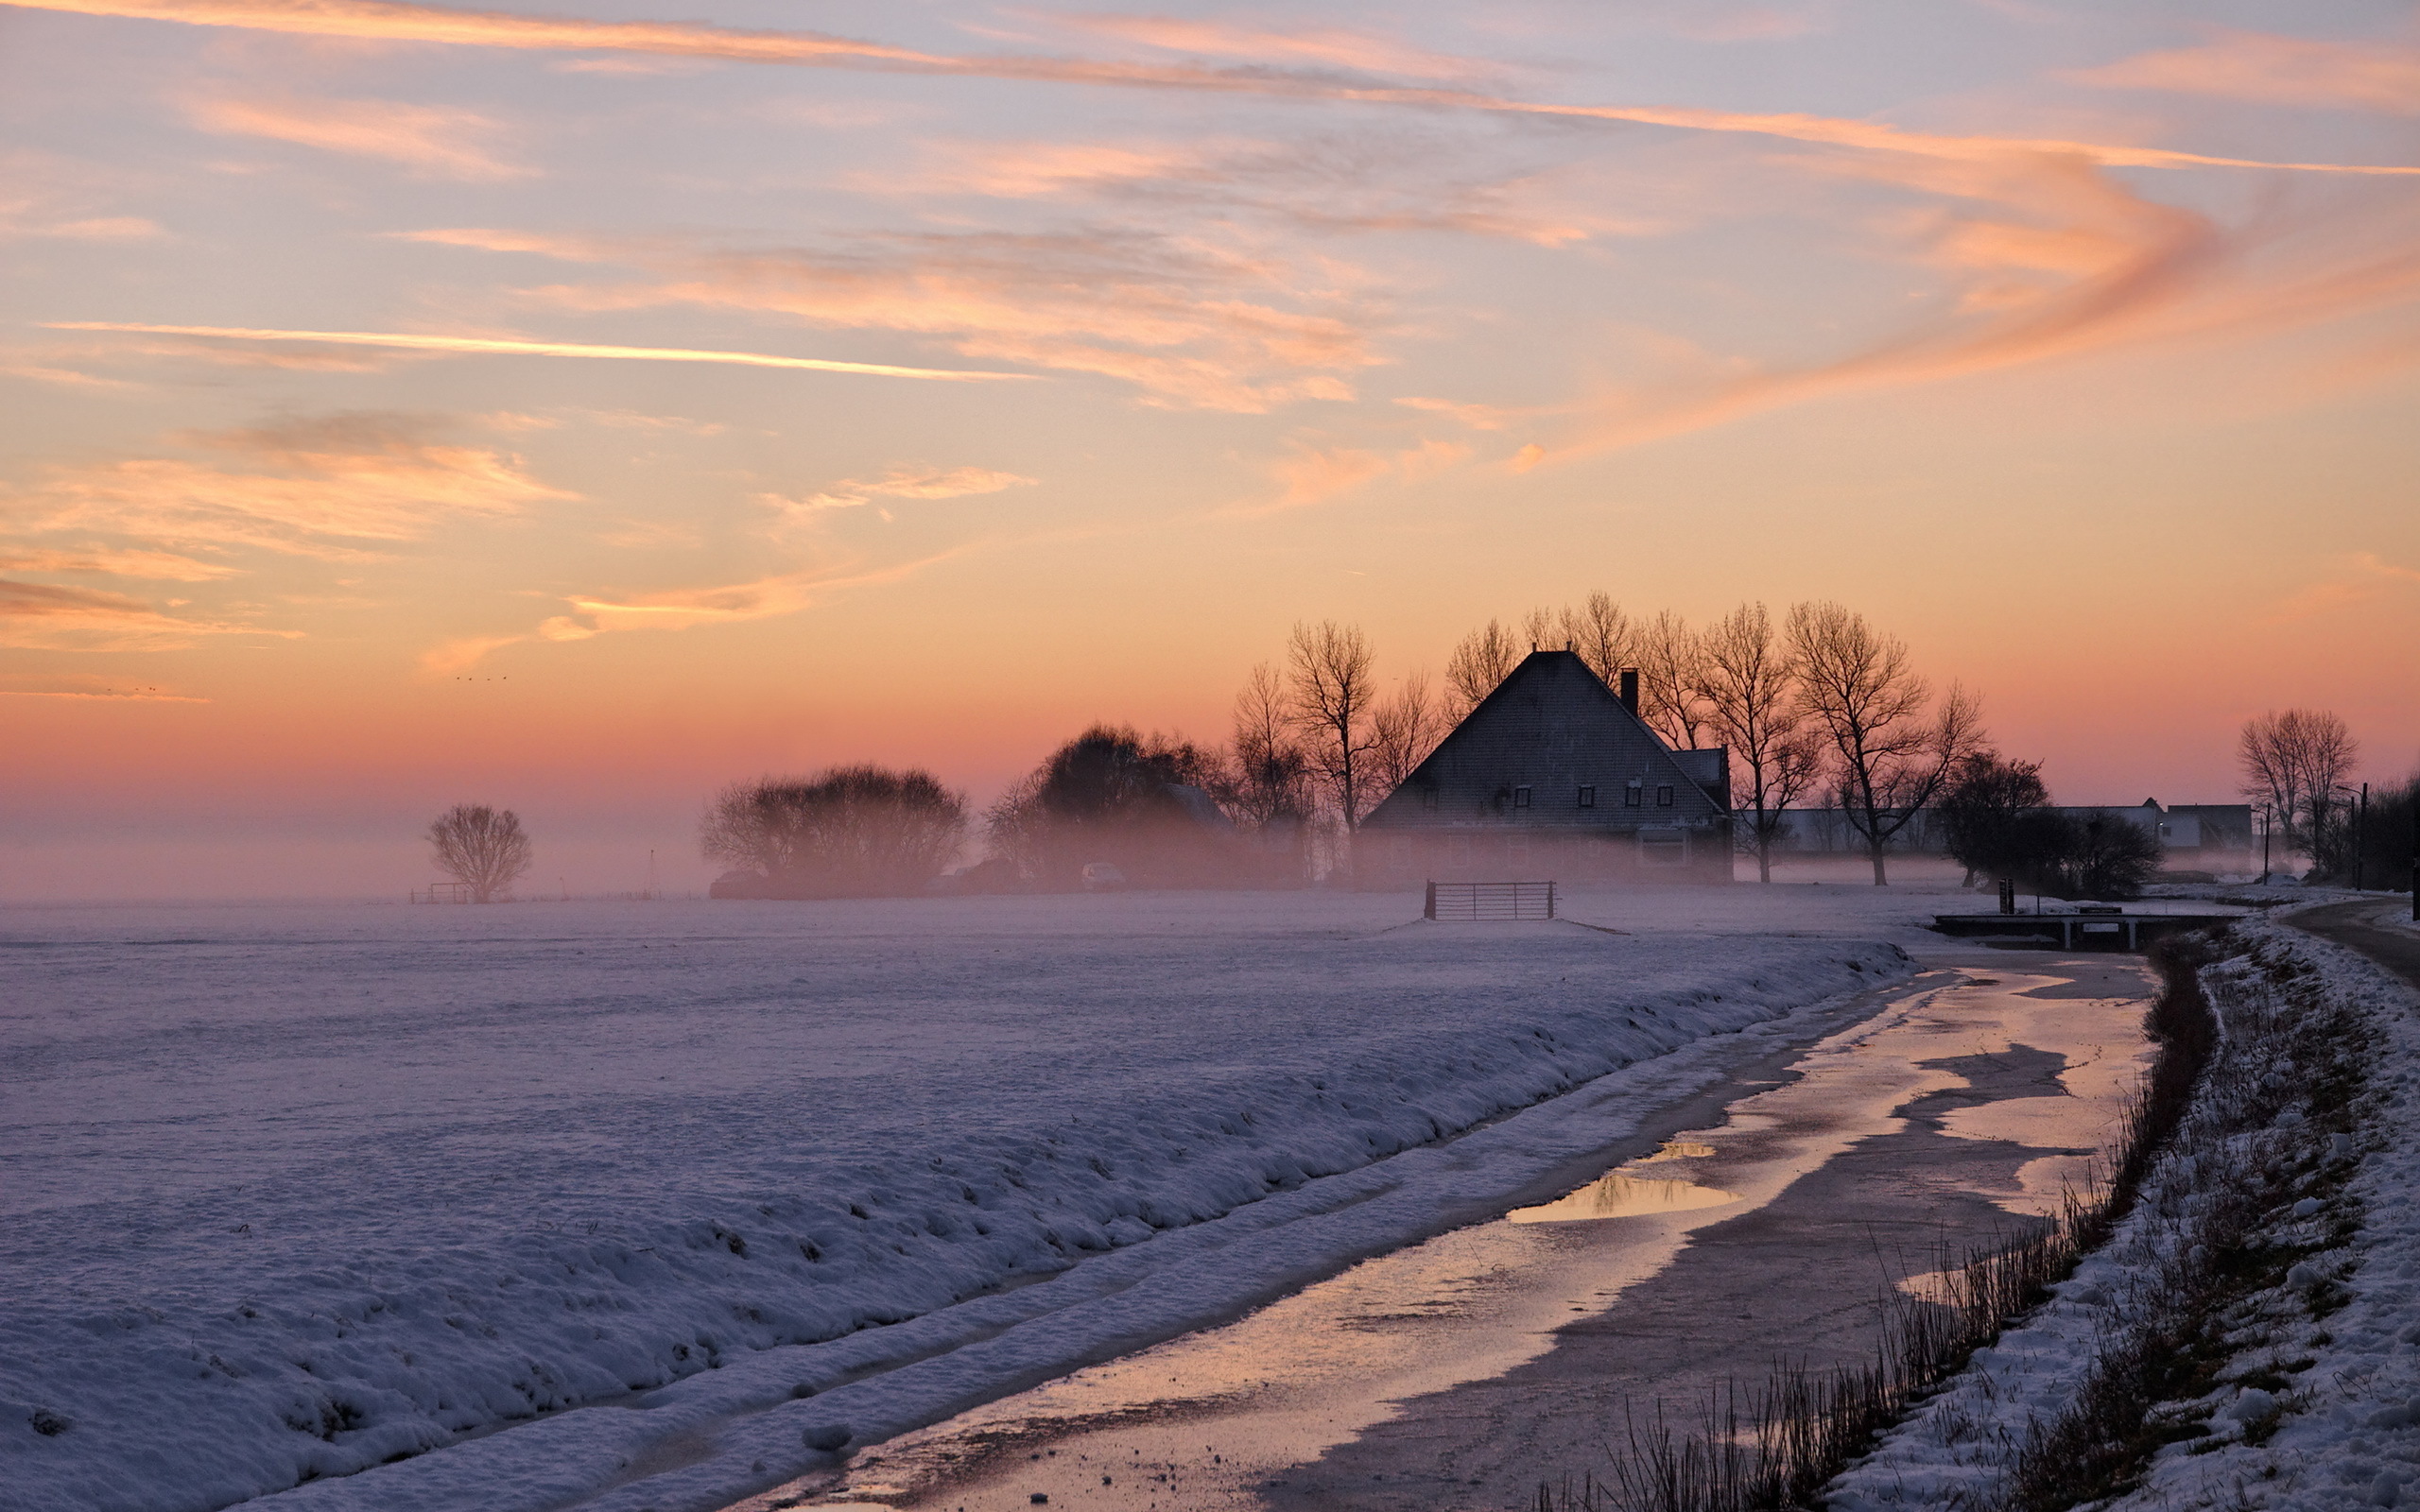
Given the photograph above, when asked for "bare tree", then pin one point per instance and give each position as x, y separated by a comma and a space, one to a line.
1331, 691
483, 849
2292, 762
1669, 675
1889, 760
1603, 635
1748, 684
846, 832
1272, 770
1404, 730
1485, 657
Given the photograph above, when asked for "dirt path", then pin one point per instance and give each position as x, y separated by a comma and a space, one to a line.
2356, 926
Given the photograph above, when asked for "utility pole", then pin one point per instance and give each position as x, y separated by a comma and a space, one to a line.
2361, 832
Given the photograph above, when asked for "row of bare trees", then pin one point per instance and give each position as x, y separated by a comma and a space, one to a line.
1821, 703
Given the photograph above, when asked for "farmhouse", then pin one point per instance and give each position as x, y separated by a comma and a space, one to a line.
1553, 776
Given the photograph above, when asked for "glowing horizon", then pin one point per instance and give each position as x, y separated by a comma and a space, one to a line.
2076, 349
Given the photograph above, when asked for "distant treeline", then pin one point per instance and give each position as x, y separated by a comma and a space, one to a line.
1816, 708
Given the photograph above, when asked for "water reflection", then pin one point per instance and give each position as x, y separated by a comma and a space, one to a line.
1677, 1150
1616, 1195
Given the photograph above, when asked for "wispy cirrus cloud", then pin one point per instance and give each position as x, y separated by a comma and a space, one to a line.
156, 566
431, 140
1320, 46
1332, 185
2048, 258
1309, 473
901, 483
2263, 69
395, 19
773, 596
92, 689
50, 617
2357, 579
497, 346
319, 488
1191, 323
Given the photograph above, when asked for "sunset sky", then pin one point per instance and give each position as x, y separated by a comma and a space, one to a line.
578, 409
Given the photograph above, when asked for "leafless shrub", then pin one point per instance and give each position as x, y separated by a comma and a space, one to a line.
849, 832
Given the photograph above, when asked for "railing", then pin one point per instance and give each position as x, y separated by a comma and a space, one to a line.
442, 892
1490, 902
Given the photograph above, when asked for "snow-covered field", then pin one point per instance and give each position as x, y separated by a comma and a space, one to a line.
2303, 1153
288, 1193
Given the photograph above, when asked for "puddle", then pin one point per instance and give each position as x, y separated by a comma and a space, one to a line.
1459, 1370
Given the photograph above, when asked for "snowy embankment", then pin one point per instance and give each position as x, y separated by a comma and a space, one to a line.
291, 1194
2251, 1336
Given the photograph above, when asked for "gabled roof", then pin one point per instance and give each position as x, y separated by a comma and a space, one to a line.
1554, 728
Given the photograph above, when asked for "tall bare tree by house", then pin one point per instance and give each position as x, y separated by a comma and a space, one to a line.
483, 849
1331, 691
1748, 684
1888, 759
1404, 728
1603, 635
2292, 762
1482, 658
1272, 774
1670, 664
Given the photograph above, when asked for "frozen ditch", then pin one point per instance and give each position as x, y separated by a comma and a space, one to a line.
290, 1193
1757, 1222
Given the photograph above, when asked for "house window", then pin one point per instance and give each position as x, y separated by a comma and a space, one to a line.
1520, 797
1664, 795
1632, 795
1587, 797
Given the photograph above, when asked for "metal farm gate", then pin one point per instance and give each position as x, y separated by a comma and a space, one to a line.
1490, 902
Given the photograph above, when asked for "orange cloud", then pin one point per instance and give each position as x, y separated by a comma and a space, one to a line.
1313, 475
494, 346
684, 608
159, 566
2365, 575
432, 141
316, 487
92, 688
2263, 69
46, 617
1325, 47
392, 20
1190, 325
1477, 416
899, 483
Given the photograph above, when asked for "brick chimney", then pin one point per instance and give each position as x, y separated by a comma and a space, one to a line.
1629, 689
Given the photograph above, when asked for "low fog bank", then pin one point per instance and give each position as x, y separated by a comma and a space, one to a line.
245, 861
576, 855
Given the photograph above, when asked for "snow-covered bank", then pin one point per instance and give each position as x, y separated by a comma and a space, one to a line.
2251, 1328
288, 1194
